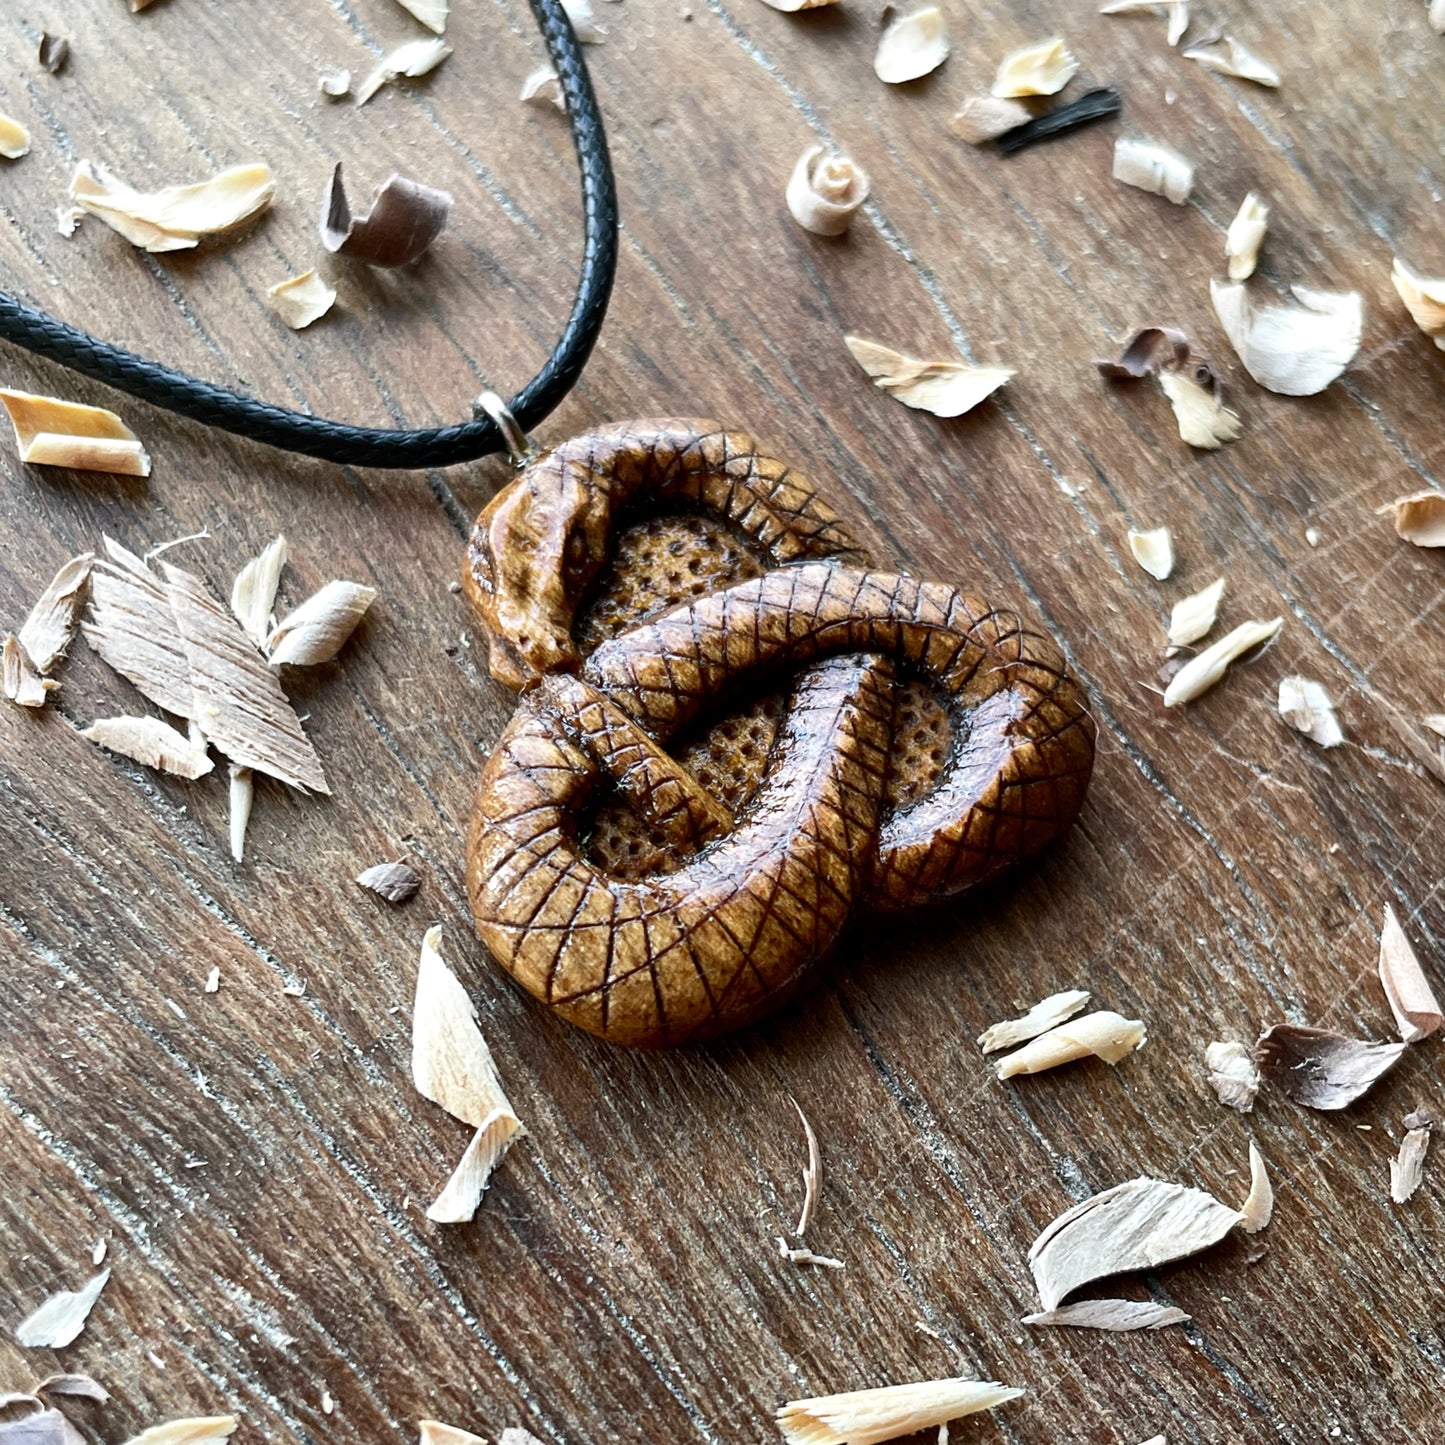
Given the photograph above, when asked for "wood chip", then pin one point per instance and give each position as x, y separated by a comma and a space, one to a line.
1258, 1206
1245, 236
1292, 350
1424, 298
792, 7
1176, 10
431, 13
335, 84
194, 1430
1044, 68
1043, 1016
433, 1432
584, 21
1134, 1226
48, 630
515, 1435
54, 433
52, 53
911, 46
1408, 1166
1201, 673
79, 1387
1193, 617
402, 221
543, 87
806, 1256
1103, 1035
1116, 1315
865, 1417
1204, 420
302, 299
242, 796
986, 117
1322, 1069
411, 59
39, 1425
253, 593
825, 191
1418, 518
1153, 551
1305, 705
317, 630
1149, 166
173, 219
21, 683
1412, 1000
1232, 1074
1436, 15
945, 388
395, 882
812, 1175
452, 1066
1229, 56
59, 1321
150, 741
14, 139
213, 981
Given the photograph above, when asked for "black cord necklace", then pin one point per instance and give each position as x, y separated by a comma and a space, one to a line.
361, 446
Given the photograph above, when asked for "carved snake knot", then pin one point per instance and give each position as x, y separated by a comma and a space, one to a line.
732, 732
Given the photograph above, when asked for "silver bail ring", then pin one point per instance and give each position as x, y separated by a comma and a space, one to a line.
520, 447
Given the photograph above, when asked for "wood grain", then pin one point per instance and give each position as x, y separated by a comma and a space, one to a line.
260, 1163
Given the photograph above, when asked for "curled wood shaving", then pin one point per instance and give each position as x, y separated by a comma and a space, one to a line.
317, 630
1148, 350
1292, 350
431, 13
21, 683
48, 630
911, 46
1194, 616
1149, 166
1153, 551
1104, 1035
1418, 518
543, 87
1177, 11
1116, 1315
336, 83
14, 139
584, 21
173, 219
825, 191
865, 1417
1305, 705
1258, 1206
1424, 299
452, 1066
433, 1432
52, 53
54, 433
80, 1387
986, 117
1322, 1069
194, 1430
59, 1321
1232, 1074
1043, 68
150, 741
1232, 57
253, 593
1412, 1000
395, 882
1204, 420
812, 1175
411, 59
402, 221
1245, 236
1137, 1225
945, 388
1408, 1166
806, 1256
1201, 673
302, 299
1044, 1015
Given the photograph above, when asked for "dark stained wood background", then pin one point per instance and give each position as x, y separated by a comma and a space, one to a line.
260, 1163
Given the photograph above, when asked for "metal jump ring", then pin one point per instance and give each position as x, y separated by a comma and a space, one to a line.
520, 447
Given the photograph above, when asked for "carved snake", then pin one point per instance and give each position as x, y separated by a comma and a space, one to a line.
756, 900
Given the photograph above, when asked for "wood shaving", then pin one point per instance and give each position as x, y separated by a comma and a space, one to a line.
1245, 236
812, 1175
806, 1256
1201, 673
80, 1387
194, 1430
986, 117
48, 631
302, 299
295, 990
1148, 350
433, 1432
1115, 1315
1193, 617
1133, 1226
213, 981
317, 630
1149, 166
253, 593
1088, 109
1292, 350
1153, 551
452, 1066
1232, 1074
1232, 57
335, 84
825, 191
1412, 1000
59, 1321
865, 1417
399, 225
1305, 705
395, 882
543, 87
515, 1435
54, 433
1043, 1016
52, 53
1409, 1164
1322, 1069
67, 218
14, 139
410, 59
911, 46
21, 683
584, 21
1176, 10
1103, 1035
150, 741
41, 1425
945, 388
1424, 299
1435, 721
1204, 420
791, 7
431, 13
1418, 518
1044, 68
1436, 16
1258, 1206
173, 219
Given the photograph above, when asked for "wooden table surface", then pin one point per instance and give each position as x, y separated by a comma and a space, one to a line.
259, 1163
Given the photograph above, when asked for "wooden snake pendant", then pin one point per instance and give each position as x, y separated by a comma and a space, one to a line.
732, 732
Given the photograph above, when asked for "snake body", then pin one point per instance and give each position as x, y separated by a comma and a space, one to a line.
754, 900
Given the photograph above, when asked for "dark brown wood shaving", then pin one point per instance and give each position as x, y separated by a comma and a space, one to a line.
1094, 105
1321, 1069
80, 1386
395, 882
403, 219
1147, 351
53, 53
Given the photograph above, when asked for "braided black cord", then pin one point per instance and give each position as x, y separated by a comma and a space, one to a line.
334, 441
